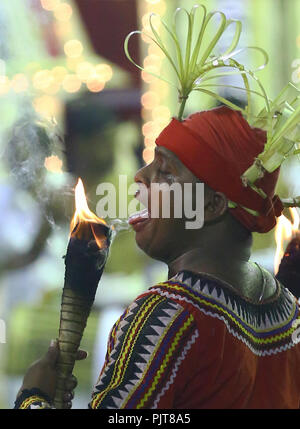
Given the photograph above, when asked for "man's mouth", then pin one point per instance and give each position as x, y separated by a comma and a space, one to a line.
139, 219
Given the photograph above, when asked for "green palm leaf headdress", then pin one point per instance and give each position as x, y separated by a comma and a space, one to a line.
196, 67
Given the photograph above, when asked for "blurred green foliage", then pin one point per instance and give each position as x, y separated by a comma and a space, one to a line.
30, 330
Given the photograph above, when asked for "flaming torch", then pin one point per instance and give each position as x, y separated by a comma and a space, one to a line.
85, 259
287, 263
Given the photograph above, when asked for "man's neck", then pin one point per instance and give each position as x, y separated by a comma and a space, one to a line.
224, 263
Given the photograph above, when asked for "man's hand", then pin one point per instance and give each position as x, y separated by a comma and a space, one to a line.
42, 374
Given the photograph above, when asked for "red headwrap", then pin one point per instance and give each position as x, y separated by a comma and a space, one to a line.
218, 146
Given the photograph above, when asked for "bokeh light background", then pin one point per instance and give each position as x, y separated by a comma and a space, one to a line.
71, 105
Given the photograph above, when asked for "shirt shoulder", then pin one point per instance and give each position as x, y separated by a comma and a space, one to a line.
265, 328
149, 347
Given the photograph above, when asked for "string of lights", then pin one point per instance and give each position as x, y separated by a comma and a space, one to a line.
155, 113
74, 74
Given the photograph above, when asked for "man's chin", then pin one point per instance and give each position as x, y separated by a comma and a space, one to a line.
143, 242
150, 247
152, 238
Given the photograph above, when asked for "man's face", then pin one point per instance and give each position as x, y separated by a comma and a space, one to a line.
160, 237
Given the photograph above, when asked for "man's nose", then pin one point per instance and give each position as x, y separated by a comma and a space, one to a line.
143, 176
143, 179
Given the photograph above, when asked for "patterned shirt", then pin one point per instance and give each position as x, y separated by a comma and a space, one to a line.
192, 342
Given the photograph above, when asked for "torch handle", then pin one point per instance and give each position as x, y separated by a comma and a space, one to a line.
75, 310
84, 262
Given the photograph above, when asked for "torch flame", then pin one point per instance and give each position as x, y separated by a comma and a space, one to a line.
83, 216
284, 230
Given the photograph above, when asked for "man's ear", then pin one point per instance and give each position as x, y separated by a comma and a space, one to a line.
216, 205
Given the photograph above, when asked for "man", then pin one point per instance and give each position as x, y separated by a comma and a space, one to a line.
220, 332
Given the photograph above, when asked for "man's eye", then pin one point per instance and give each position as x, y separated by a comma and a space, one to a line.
166, 176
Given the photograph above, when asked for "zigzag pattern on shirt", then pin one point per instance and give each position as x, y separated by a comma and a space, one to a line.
151, 324
265, 328
168, 361
114, 340
175, 368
